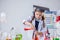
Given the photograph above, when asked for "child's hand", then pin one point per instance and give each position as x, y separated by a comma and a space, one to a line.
41, 34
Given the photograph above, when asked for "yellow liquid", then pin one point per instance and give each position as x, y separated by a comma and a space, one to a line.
8, 39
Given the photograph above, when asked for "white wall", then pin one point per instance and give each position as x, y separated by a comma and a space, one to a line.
52, 4
17, 10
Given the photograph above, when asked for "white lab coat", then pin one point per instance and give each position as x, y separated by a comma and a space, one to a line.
40, 26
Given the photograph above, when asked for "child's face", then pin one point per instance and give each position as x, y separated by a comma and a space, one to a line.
38, 14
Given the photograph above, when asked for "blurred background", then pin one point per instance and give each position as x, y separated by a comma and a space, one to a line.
13, 12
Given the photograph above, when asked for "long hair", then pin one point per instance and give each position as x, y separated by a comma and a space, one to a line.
43, 18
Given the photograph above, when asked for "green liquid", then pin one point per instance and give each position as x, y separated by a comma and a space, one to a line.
55, 38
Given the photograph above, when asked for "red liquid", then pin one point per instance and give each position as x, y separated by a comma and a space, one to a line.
36, 38
57, 18
27, 29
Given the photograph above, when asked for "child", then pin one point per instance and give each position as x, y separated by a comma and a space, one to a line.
37, 23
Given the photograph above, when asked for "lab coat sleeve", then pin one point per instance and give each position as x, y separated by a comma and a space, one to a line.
43, 30
47, 31
28, 19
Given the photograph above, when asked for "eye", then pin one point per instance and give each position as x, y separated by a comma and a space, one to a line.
37, 14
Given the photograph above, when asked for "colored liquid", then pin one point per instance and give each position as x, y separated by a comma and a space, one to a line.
55, 38
17, 38
8, 39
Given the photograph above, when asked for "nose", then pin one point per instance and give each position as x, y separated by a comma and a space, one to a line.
39, 16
